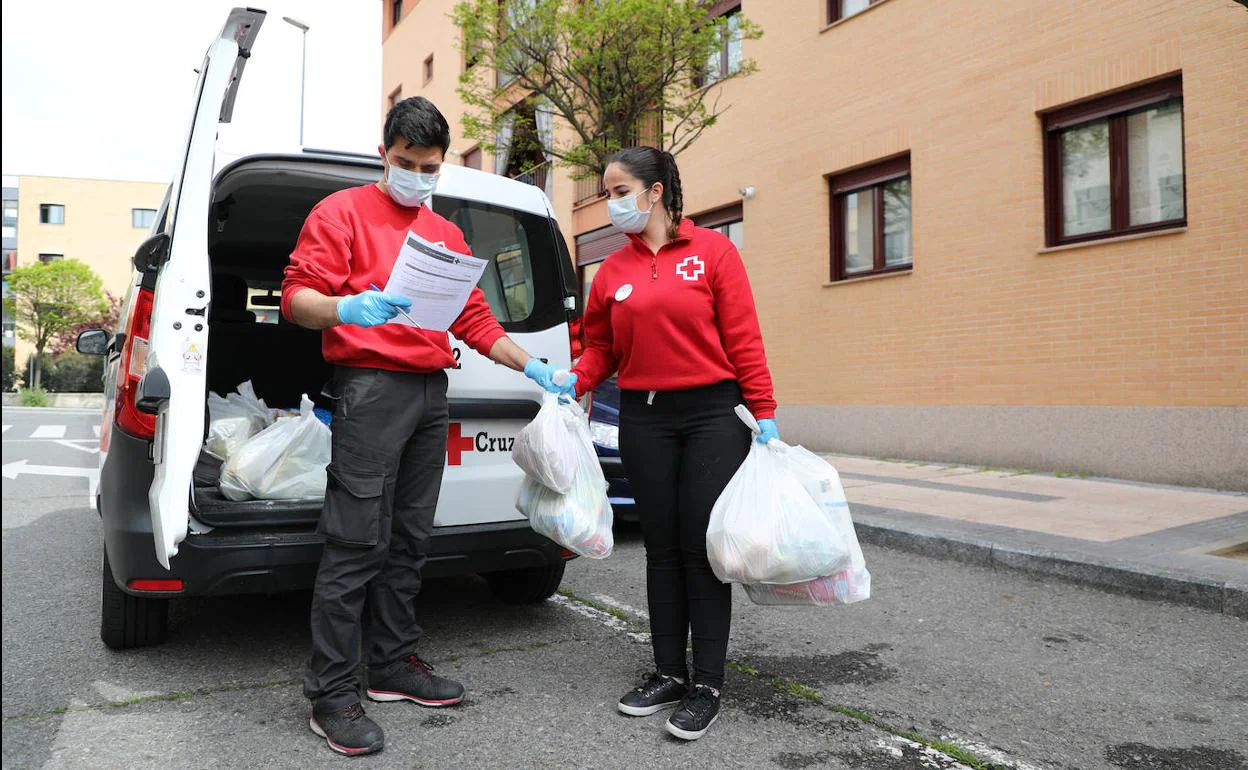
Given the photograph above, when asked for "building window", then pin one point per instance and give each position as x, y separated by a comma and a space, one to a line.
10, 211
472, 158
46, 258
51, 214
395, 96
142, 218
1114, 165
396, 12
843, 9
727, 220
871, 221
10, 231
727, 60
429, 68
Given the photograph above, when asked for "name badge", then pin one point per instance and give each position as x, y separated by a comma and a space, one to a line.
624, 292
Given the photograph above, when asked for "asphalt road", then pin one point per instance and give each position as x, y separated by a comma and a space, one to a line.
1014, 672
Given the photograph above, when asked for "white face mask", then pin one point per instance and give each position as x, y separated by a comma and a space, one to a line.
626, 216
409, 188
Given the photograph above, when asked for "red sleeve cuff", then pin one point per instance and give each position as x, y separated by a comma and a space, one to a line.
485, 342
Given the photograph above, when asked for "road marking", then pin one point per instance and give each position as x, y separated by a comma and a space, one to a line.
610, 621
988, 753
96, 430
49, 431
896, 746
74, 444
92, 475
6, 429
619, 605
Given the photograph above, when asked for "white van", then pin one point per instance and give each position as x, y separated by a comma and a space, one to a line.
202, 316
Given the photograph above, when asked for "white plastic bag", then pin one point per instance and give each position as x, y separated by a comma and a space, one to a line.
852, 584
580, 520
285, 461
765, 526
235, 418
545, 450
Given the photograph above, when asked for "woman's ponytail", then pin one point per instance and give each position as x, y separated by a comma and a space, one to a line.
674, 197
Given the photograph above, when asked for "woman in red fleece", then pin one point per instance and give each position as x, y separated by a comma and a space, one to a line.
673, 313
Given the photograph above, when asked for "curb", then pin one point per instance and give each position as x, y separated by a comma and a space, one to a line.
1083, 568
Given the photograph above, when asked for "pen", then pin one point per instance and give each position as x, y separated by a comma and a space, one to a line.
411, 320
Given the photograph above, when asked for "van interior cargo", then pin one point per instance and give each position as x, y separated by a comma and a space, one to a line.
259, 206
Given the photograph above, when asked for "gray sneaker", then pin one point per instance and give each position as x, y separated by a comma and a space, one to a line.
413, 680
348, 731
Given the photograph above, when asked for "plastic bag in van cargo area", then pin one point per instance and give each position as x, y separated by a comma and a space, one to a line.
285, 461
235, 418
766, 527
581, 519
546, 448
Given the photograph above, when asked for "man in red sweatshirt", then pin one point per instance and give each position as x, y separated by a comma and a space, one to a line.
389, 428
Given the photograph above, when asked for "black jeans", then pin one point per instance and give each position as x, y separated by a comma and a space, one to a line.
680, 449
389, 450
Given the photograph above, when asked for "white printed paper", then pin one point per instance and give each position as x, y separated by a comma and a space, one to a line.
437, 280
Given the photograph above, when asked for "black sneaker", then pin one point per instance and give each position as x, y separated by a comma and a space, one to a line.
414, 680
656, 693
348, 731
698, 711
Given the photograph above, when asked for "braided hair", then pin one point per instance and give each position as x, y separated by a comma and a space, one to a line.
652, 165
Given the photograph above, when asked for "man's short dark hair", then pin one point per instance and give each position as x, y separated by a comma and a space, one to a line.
418, 123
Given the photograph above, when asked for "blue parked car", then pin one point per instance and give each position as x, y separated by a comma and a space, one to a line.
604, 426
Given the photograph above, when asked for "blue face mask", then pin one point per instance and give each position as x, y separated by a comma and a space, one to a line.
626, 216
410, 188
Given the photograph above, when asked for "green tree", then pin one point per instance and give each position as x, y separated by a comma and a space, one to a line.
604, 68
51, 298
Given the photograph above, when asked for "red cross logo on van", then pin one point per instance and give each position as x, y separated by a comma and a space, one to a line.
456, 444
691, 268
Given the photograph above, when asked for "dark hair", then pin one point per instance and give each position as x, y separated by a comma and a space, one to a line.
419, 123
652, 165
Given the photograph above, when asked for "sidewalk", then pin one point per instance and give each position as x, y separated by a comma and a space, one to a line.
1182, 545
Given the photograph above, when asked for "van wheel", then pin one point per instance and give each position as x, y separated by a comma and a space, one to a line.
530, 585
130, 621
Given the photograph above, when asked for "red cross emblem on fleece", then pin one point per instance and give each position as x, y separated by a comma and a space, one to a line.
691, 268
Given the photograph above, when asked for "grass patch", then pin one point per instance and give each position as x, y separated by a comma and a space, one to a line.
163, 697
612, 611
33, 398
810, 694
1071, 474
798, 690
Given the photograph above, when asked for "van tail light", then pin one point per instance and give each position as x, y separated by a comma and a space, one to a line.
133, 366
139, 584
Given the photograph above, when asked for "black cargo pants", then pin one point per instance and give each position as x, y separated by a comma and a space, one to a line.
389, 449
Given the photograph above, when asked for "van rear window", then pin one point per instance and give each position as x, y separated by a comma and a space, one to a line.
523, 282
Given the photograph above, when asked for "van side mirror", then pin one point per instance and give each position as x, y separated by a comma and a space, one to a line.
92, 342
152, 253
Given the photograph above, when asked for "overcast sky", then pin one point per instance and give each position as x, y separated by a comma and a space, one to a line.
102, 88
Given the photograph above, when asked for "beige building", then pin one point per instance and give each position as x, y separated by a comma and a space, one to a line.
997, 233
96, 221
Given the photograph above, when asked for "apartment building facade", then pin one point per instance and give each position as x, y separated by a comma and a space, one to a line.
991, 233
99, 222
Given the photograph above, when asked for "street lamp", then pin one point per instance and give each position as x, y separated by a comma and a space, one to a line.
303, 72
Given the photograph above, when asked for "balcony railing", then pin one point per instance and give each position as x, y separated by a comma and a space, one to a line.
535, 176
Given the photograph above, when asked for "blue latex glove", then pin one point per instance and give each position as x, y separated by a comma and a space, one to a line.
768, 431
569, 387
543, 374
371, 308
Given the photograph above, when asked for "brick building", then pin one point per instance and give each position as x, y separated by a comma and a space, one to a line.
999, 233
